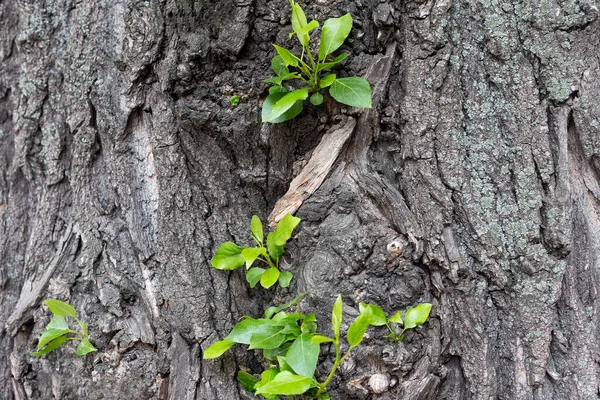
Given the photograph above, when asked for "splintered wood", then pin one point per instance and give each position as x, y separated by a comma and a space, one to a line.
315, 172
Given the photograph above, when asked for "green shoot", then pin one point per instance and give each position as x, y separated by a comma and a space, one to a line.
58, 332
282, 104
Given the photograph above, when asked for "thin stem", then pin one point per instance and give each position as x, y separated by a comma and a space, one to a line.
336, 364
312, 60
269, 261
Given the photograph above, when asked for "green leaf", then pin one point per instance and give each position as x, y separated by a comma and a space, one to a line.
316, 99
53, 345
353, 91
234, 100
299, 23
272, 354
336, 316
84, 328
308, 327
279, 66
283, 364
243, 331
266, 376
50, 335
61, 308
228, 257
266, 337
309, 27
327, 80
284, 229
216, 349
397, 318
84, 347
269, 312
322, 339
326, 66
333, 34
286, 383
379, 318
250, 254
284, 104
58, 322
272, 99
357, 330
302, 355
287, 56
291, 329
247, 380
277, 80
269, 277
324, 396
275, 251
417, 315
285, 278
256, 227
253, 276
278, 89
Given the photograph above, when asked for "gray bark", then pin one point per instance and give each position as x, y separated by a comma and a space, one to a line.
473, 184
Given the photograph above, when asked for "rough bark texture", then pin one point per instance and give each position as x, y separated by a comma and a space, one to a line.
473, 183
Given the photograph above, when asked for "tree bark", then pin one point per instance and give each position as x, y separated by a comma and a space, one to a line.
472, 183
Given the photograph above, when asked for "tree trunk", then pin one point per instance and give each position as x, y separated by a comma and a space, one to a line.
472, 183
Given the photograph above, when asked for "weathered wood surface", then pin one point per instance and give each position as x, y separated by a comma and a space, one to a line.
473, 184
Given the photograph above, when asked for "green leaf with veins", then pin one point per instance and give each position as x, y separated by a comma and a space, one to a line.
57, 322
266, 337
285, 278
379, 318
396, 318
316, 99
303, 354
279, 66
269, 277
277, 94
253, 276
299, 23
286, 383
217, 349
52, 345
250, 254
257, 228
84, 347
243, 331
357, 330
287, 56
354, 91
417, 315
50, 335
334, 33
336, 316
327, 80
61, 308
285, 103
284, 229
326, 66
228, 257
247, 380
275, 251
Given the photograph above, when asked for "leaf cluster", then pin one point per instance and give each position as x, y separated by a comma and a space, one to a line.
58, 332
230, 256
289, 340
282, 104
